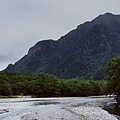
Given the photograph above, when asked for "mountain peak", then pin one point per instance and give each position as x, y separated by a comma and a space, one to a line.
107, 19
108, 14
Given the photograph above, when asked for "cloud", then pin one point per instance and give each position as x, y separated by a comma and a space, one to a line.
25, 22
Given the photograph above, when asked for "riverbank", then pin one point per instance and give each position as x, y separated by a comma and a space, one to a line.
92, 110
92, 113
69, 108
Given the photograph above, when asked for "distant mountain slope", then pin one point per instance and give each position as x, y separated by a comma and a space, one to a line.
82, 52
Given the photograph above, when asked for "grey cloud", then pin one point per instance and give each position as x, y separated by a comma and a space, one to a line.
24, 22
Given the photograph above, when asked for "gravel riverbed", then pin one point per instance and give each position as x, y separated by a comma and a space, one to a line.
69, 108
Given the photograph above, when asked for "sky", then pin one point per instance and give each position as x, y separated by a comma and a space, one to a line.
25, 22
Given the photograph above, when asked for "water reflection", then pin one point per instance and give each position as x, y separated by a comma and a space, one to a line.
112, 109
46, 103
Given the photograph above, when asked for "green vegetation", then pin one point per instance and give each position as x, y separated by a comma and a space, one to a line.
113, 76
80, 87
46, 85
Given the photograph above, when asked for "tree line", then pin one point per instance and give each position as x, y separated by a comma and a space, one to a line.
47, 85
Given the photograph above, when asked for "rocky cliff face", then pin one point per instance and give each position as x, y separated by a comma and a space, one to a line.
82, 52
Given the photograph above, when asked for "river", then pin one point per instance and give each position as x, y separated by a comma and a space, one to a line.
42, 108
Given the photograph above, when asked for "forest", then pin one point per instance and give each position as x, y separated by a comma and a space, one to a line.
47, 85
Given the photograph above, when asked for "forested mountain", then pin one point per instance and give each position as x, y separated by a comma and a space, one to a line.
82, 52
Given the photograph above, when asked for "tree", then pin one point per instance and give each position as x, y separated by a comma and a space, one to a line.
45, 85
113, 76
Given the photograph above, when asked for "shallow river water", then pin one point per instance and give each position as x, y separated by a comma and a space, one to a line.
41, 108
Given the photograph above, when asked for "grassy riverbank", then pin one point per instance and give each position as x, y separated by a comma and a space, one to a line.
9, 96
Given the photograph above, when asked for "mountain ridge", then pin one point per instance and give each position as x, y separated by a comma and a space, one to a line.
82, 52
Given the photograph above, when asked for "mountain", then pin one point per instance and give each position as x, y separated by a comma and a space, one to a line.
83, 52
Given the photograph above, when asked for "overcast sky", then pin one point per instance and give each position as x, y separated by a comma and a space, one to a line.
25, 22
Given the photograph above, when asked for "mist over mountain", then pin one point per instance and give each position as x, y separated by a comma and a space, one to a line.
83, 52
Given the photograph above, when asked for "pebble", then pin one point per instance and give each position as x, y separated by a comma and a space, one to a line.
30, 116
92, 113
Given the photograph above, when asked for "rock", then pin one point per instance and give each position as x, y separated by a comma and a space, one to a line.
30, 116
3, 111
